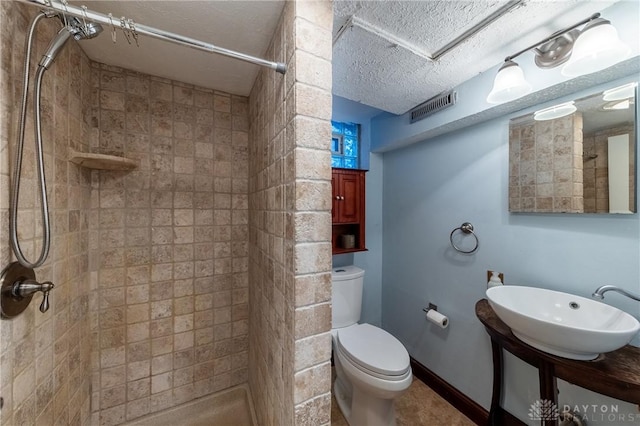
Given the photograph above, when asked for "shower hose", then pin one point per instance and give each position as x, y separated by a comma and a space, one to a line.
13, 219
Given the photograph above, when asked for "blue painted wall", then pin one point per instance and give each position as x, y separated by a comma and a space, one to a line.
432, 187
452, 168
371, 260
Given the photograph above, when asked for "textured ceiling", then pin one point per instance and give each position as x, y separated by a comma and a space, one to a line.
243, 26
425, 24
382, 48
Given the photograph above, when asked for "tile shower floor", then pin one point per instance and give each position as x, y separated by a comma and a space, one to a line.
419, 406
231, 407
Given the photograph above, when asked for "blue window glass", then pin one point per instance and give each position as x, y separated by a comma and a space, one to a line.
336, 145
351, 129
350, 146
350, 163
344, 145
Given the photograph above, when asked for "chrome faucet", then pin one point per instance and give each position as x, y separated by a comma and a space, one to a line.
600, 291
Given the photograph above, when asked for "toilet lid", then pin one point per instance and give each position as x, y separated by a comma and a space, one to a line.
374, 349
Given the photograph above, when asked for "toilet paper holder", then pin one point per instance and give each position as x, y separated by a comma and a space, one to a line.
430, 307
436, 317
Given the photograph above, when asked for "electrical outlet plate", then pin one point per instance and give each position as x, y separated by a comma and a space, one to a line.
500, 274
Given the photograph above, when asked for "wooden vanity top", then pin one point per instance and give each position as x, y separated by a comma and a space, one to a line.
615, 374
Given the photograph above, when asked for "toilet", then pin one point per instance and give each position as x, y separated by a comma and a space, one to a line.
372, 366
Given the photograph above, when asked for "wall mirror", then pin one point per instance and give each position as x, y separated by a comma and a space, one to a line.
576, 157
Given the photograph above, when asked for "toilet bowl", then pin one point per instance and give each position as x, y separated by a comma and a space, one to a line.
372, 366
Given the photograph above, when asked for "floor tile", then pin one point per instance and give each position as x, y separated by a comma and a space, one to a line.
418, 406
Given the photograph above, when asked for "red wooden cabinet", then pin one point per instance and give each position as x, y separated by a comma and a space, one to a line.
347, 212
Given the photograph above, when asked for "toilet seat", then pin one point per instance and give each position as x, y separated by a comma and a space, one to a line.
374, 351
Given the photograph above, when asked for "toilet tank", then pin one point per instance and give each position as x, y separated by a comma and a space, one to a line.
346, 295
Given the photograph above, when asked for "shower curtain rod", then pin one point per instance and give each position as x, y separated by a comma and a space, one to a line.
128, 26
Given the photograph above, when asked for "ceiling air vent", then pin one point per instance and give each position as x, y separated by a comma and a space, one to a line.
433, 105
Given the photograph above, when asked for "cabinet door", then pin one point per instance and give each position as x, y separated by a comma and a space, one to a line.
349, 198
348, 209
335, 197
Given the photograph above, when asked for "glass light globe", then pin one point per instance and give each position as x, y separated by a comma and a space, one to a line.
619, 93
509, 84
598, 47
555, 111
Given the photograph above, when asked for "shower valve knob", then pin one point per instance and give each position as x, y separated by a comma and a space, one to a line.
18, 284
29, 287
44, 306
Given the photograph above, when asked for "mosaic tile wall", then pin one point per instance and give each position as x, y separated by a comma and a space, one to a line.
45, 358
168, 244
545, 166
290, 223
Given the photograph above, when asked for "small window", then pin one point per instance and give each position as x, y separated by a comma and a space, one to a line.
344, 145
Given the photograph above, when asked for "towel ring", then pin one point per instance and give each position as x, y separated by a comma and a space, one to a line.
466, 228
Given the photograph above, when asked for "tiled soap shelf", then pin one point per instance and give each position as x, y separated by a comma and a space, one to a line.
102, 161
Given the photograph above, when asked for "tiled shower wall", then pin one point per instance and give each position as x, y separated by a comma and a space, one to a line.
545, 166
44, 358
290, 223
169, 244
161, 253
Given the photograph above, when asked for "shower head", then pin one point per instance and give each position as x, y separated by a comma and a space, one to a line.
81, 30
88, 31
55, 46
73, 28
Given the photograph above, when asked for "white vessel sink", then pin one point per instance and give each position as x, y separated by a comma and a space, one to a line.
560, 323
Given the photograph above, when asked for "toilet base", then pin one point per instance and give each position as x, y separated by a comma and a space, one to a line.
362, 409
343, 398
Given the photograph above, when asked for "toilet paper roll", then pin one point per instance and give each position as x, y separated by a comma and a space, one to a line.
437, 318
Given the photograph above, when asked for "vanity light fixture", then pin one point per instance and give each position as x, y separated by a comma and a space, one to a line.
591, 49
619, 93
556, 111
